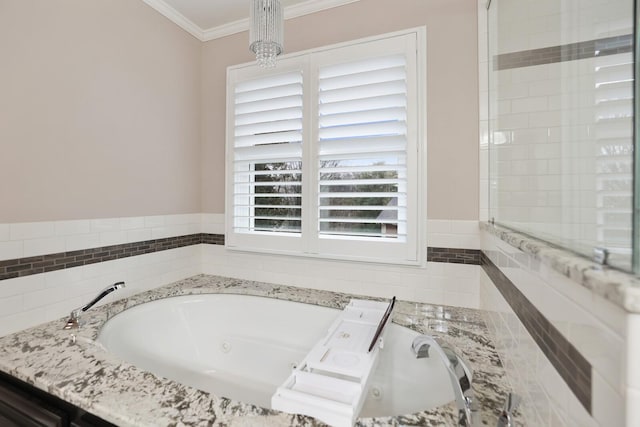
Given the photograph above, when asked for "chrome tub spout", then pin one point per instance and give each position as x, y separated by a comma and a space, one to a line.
73, 321
459, 373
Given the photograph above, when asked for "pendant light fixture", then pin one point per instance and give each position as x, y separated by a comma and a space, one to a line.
266, 31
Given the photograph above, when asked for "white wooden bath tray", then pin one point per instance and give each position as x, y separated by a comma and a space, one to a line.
331, 382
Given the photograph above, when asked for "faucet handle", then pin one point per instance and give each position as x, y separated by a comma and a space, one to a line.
510, 405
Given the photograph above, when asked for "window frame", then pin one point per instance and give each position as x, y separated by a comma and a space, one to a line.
309, 243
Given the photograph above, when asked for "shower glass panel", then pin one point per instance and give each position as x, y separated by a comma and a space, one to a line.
561, 122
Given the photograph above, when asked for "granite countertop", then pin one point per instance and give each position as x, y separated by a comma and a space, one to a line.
98, 382
620, 288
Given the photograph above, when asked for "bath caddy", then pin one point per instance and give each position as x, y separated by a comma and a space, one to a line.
331, 382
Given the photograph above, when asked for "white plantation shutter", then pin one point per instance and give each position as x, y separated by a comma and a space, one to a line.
613, 133
267, 153
322, 152
362, 148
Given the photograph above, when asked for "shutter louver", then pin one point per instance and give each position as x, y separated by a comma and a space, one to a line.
362, 146
267, 153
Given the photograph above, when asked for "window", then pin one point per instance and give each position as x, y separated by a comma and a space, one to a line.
324, 152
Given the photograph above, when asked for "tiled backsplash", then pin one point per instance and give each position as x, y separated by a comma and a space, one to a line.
21, 240
21, 267
38, 285
438, 283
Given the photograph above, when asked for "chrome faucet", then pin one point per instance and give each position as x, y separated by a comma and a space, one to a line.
510, 405
459, 373
72, 322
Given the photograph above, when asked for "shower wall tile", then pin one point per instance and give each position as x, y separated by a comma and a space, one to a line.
148, 252
598, 330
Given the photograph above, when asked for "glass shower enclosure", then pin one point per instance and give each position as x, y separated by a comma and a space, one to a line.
561, 123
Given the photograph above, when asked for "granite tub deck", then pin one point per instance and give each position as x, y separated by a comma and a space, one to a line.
98, 382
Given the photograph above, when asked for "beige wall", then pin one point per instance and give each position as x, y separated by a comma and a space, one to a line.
99, 111
452, 87
101, 105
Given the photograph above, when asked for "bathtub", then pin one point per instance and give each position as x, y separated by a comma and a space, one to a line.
244, 347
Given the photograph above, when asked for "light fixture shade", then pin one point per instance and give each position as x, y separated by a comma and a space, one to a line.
267, 31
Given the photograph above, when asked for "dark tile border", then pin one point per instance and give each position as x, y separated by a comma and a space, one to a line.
566, 52
574, 369
20, 267
451, 255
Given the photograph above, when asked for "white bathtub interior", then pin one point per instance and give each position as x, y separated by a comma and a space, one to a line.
244, 347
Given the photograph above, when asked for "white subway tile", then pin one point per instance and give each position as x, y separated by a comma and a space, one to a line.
465, 227
154, 221
21, 285
4, 232
11, 305
462, 271
31, 230
467, 242
439, 226
60, 279
430, 296
530, 104
82, 241
45, 297
108, 238
213, 228
44, 246
633, 350
442, 240
177, 219
461, 299
633, 407
435, 269
131, 223
11, 250
193, 228
23, 320
611, 315
67, 228
139, 235
105, 224
62, 309
608, 404
161, 232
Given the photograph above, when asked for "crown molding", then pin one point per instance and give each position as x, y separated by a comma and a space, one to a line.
225, 30
294, 11
176, 17
313, 6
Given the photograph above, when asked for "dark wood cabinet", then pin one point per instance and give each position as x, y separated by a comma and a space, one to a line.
22, 405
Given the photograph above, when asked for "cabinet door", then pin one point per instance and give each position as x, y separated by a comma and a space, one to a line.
16, 409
